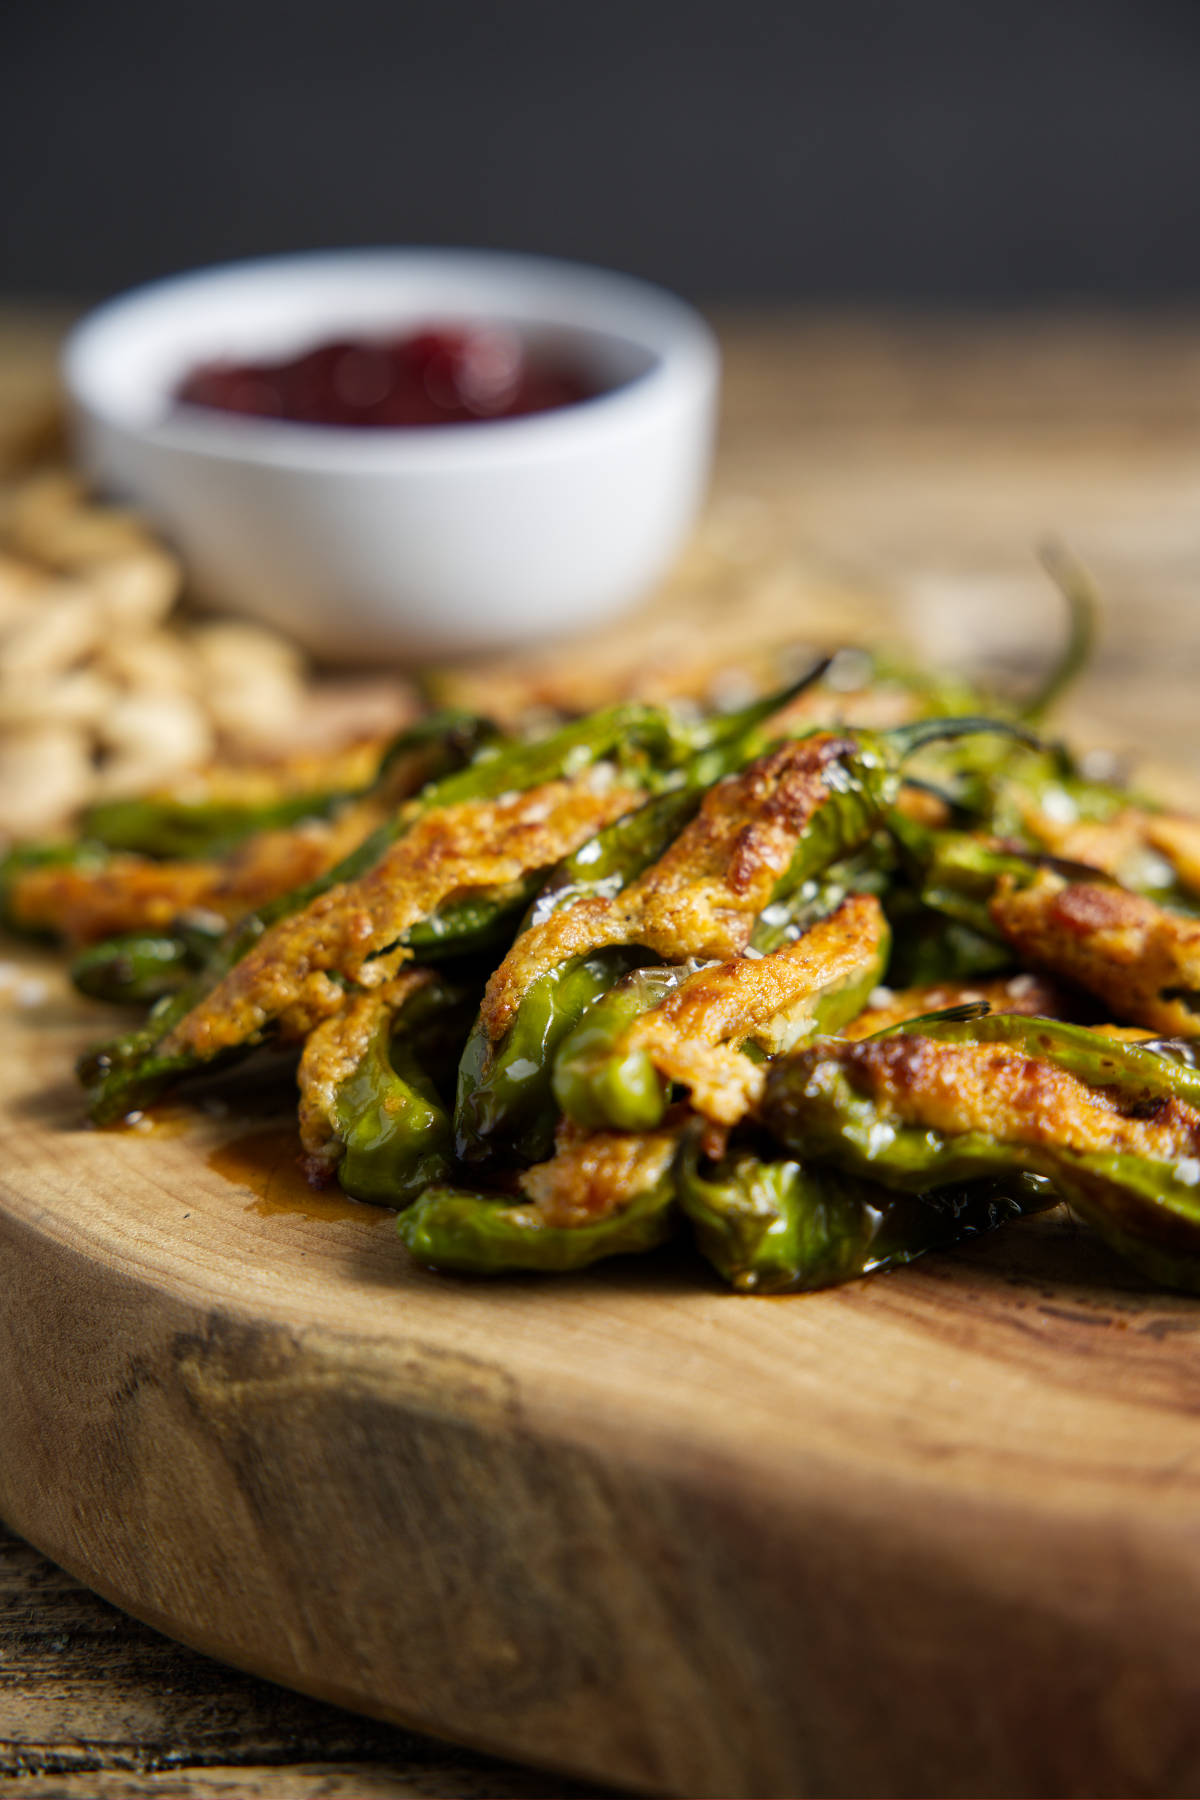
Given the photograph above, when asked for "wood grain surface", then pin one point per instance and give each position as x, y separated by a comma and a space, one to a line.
92, 1704
937, 1532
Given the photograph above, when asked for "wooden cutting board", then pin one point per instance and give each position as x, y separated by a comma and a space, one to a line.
937, 1532
934, 1532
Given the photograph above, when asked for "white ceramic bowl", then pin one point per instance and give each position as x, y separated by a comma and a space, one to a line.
411, 542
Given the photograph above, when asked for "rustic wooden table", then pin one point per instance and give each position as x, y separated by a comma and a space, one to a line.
880, 479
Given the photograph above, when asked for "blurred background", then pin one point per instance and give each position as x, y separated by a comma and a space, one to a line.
952, 251
934, 151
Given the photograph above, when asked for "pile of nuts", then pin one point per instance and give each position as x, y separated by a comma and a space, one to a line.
102, 694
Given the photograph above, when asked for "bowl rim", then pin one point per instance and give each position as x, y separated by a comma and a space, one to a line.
683, 345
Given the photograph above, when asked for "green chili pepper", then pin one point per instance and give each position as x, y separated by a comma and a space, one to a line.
391, 1121
778, 1227
505, 1106
141, 966
80, 853
127, 1072
1132, 1070
162, 827
487, 1235
601, 1080
594, 1083
929, 948
864, 783
957, 873
492, 1109
1146, 1207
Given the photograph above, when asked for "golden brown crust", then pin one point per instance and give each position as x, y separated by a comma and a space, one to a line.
593, 1175
701, 898
692, 1035
1033, 995
333, 1050
1140, 959
1122, 845
1104, 844
134, 893
999, 1091
447, 854
1178, 839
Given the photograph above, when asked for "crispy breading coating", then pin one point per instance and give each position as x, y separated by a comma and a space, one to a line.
1033, 995
448, 853
332, 1052
1140, 959
692, 1035
136, 893
1178, 839
1003, 1093
1125, 845
594, 1174
702, 897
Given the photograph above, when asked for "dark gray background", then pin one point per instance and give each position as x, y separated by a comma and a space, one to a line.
948, 150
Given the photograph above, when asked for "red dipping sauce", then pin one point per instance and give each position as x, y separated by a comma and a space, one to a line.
442, 375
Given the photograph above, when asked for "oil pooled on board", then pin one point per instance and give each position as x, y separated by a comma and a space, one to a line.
267, 1162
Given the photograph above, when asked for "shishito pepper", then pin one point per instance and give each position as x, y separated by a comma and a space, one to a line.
1140, 958
1113, 1126
90, 891
161, 826
756, 838
646, 742
139, 967
504, 1105
789, 1226
383, 1124
607, 1194
667, 1024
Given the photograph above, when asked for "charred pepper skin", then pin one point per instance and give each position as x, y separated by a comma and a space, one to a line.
791, 1227
1147, 1208
483, 1234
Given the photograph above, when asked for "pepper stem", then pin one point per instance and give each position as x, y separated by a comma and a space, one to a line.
948, 1015
914, 736
1078, 590
772, 703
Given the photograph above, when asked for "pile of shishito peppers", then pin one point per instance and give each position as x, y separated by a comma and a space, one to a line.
823, 995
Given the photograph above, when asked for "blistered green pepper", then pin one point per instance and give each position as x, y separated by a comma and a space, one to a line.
778, 1227
485, 1234
391, 1122
80, 853
600, 1080
141, 966
648, 741
1146, 1207
598, 1084
163, 827
505, 1106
